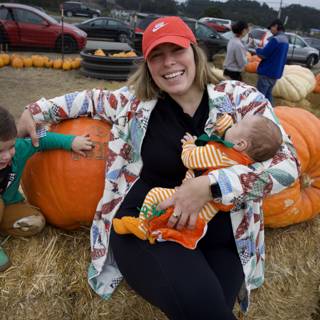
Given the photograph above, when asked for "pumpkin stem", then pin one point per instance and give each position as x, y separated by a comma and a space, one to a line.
305, 181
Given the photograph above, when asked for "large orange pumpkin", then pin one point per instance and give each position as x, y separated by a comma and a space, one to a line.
301, 201
65, 186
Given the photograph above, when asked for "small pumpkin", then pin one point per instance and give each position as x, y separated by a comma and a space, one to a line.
17, 62
37, 61
76, 63
5, 58
48, 63
251, 67
1, 63
66, 65
99, 52
253, 58
65, 186
295, 84
301, 201
27, 61
57, 64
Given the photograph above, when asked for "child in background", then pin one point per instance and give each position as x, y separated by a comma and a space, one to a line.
236, 57
253, 139
18, 218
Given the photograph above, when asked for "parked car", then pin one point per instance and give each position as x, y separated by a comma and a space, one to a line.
108, 28
26, 26
216, 26
74, 8
209, 40
301, 51
313, 42
223, 22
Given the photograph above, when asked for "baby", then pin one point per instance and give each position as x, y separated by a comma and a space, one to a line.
253, 139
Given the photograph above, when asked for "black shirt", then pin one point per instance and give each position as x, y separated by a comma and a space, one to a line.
161, 149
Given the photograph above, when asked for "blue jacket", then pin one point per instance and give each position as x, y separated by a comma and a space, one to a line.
274, 56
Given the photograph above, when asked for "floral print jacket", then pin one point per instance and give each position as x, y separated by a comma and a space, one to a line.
242, 186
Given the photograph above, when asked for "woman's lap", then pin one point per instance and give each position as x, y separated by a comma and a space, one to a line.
185, 284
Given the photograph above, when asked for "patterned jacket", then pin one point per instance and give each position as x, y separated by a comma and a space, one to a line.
242, 186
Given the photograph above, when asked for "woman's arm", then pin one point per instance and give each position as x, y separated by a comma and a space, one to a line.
95, 103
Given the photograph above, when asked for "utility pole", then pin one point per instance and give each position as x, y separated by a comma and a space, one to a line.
280, 8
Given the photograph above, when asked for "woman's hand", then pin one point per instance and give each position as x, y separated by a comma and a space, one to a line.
188, 138
27, 127
188, 200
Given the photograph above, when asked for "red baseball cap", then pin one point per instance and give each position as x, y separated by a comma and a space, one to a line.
166, 30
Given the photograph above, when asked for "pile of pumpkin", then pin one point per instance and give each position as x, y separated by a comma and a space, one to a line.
19, 61
122, 54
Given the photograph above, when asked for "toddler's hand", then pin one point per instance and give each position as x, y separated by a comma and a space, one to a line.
188, 138
81, 144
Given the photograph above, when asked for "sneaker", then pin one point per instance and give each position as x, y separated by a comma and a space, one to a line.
4, 260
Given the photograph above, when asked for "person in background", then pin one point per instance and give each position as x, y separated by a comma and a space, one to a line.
236, 57
18, 218
173, 92
274, 57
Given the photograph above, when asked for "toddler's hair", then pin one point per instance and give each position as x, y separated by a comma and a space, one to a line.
265, 139
8, 128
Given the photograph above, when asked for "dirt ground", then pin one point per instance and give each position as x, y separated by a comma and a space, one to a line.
19, 87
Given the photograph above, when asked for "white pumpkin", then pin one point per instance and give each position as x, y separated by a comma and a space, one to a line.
296, 83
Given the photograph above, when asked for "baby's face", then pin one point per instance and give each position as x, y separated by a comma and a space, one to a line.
240, 130
7, 151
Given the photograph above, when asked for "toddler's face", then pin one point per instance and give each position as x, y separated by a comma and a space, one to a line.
7, 151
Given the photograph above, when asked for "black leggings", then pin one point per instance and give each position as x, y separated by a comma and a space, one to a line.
234, 75
185, 284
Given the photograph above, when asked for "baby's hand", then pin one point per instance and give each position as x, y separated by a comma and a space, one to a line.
223, 123
188, 138
81, 144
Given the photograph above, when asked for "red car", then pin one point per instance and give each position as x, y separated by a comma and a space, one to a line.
26, 26
216, 26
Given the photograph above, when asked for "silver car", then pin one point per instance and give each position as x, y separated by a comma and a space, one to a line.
301, 51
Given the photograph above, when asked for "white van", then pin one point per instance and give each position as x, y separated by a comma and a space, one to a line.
224, 22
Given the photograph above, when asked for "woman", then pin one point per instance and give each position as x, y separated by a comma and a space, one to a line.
170, 94
236, 57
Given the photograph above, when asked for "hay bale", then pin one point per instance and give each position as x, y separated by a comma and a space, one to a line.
48, 279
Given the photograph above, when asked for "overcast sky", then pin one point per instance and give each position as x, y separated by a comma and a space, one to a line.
276, 3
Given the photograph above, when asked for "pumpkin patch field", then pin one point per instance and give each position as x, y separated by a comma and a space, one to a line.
48, 276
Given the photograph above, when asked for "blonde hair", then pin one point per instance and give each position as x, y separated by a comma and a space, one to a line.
145, 88
265, 139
